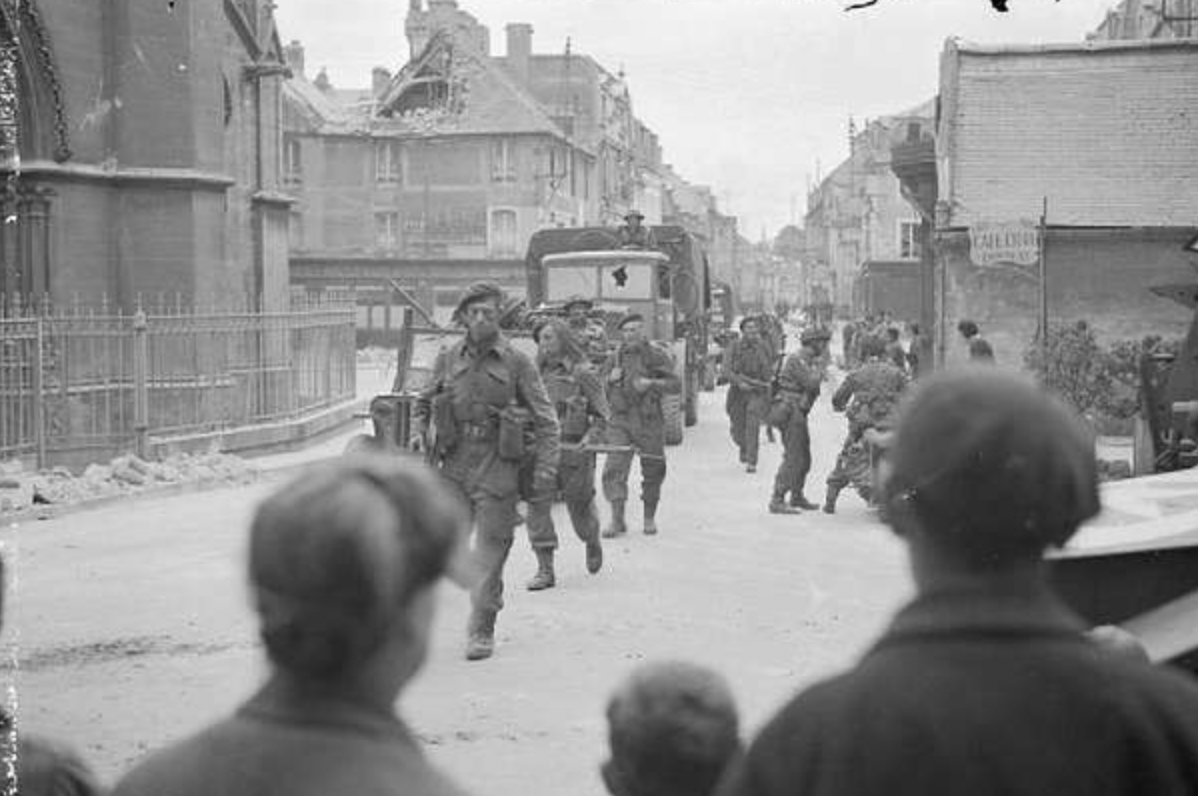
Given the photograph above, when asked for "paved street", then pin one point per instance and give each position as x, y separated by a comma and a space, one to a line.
132, 626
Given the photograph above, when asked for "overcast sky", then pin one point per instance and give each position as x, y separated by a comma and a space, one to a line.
746, 95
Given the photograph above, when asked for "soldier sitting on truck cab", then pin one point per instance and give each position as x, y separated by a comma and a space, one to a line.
635, 235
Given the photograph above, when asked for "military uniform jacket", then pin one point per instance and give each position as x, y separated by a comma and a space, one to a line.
800, 380
577, 395
750, 360
479, 385
874, 389
648, 361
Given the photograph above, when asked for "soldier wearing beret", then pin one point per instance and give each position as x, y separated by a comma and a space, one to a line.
985, 683
591, 334
637, 376
485, 398
576, 393
798, 388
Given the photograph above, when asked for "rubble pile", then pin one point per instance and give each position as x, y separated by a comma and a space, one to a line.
21, 489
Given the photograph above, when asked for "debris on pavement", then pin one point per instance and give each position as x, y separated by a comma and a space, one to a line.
21, 489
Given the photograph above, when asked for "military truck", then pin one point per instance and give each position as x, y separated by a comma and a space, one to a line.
669, 284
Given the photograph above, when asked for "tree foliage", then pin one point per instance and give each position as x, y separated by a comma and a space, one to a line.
1100, 382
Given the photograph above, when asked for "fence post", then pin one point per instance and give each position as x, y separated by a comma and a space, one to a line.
39, 417
141, 393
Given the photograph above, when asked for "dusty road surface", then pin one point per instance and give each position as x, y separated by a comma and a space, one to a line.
132, 629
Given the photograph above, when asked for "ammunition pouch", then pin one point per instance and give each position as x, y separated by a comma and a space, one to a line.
780, 412
514, 422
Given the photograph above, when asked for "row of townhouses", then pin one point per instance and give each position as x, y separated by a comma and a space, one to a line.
1056, 182
440, 172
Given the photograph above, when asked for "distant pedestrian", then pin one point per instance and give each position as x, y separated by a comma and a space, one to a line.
985, 684
638, 376
343, 567
979, 348
918, 352
673, 729
894, 349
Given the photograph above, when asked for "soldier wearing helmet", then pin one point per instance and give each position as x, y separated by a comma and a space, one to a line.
634, 234
484, 400
798, 388
868, 396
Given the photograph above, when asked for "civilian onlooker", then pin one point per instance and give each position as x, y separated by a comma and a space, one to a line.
979, 348
986, 683
343, 562
918, 352
894, 349
673, 729
44, 766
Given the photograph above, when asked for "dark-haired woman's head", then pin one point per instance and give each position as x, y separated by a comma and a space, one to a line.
341, 565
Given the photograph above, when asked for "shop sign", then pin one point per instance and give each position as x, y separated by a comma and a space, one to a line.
1015, 242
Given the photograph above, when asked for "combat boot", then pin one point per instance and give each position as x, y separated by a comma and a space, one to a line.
830, 500
544, 579
594, 556
481, 641
778, 505
650, 523
800, 501
617, 527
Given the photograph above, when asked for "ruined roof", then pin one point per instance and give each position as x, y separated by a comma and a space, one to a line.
319, 108
1104, 130
482, 97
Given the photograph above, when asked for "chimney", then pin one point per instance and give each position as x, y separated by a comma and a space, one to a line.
294, 55
519, 49
379, 79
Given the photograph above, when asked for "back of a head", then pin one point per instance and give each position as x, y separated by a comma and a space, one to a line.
338, 552
967, 329
673, 728
990, 468
872, 346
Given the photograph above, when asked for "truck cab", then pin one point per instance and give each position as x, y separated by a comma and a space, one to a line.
619, 282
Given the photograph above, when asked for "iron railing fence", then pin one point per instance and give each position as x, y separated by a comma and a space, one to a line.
78, 383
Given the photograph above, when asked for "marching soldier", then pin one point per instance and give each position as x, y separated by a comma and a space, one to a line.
870, 394
634, 234
637, 376
749, 368
475, 415
591, 334
576, 393
798, 388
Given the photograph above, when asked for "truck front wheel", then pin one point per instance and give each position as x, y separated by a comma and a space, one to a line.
671, 406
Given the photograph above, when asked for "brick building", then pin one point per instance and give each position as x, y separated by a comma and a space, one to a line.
1104, 132
444, 170
147, 141
857, 218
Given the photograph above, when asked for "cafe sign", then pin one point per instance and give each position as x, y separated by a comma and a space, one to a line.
1015, 242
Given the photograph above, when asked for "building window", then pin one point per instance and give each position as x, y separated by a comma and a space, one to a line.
293, 165
387, 166
909, 240
503, 161
386, 230
504, 241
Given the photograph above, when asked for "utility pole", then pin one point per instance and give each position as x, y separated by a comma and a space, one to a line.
1044, 285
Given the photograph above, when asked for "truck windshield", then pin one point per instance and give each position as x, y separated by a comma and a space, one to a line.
564, 281
614, 281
